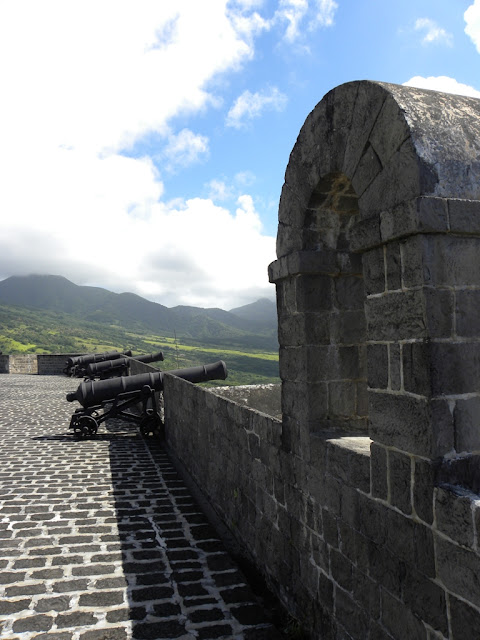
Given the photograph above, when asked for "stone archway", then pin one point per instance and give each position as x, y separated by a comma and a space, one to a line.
409, 158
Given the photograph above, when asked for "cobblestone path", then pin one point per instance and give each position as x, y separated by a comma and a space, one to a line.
100, 539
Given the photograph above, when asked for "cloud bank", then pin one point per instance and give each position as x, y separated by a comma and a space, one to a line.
87, 82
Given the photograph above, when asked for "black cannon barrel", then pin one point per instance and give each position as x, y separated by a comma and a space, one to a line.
99, 368
96, 357
94, 392
149, 357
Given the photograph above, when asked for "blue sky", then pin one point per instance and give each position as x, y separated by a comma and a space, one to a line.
160, 131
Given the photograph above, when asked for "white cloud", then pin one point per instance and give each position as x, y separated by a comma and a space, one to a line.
185, 148
304, 15
218, 190
85, 82
325, 13
293, 12
433, 33
472, 19
442, 83
251, 105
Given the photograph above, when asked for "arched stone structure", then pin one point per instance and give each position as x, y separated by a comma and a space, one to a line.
378, 270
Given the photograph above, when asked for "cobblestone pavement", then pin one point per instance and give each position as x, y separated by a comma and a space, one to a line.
100, 539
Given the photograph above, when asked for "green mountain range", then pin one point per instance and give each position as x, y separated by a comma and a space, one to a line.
50, 314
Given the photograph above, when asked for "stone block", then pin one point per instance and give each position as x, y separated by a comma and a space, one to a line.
368, 104
454, 515
378, 471
458, 569
451, 260
389, 132
399, 620
330, 530
385, 568
395, 380
305, 401
416, 367
377, 366
372, 519
393, 266
290, 210
424, 478
341, 398
467, 313
348, 327
350, 615
467, 422
349, 292
314, 293
365, 234
396, 316
368, 168
465, 619
374, 271
411, 250
426, 599
392, 187
464, 215
400, 470
416, 425
362, 399
341, 569
367, 593
455, 368
439, 312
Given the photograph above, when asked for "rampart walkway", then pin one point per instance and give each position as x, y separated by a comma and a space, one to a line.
100, 539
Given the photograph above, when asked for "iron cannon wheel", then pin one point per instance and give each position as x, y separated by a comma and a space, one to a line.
85, 426
151, 423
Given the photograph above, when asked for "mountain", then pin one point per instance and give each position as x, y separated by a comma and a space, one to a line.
261, 314
253, 325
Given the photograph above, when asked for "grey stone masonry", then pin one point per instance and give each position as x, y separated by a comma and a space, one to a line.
100, 539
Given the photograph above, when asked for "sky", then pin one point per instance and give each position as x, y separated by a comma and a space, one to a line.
143, 143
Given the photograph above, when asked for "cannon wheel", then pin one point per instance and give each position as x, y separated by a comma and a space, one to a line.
151, 424
85, 426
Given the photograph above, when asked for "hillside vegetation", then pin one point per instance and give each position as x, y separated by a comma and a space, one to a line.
62, 320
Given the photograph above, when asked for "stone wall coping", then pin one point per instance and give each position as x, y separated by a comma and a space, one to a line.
310, 262
422, 215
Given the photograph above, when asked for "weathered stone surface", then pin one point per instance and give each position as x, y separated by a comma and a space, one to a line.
400, 469
466, 417
454, 515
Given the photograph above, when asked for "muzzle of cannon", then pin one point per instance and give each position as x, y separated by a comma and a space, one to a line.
149, 357
119, 366
120, 393
76, 365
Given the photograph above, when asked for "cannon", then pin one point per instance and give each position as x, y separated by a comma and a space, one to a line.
111, 398
76, 365
119, 366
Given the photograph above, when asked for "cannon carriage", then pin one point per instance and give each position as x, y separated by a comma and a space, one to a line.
133, 398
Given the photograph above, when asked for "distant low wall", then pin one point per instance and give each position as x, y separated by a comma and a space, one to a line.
25, 363
266, 398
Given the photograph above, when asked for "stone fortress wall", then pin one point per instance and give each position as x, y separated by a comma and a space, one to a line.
361, 506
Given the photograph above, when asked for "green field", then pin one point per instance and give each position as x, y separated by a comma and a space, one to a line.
32, 331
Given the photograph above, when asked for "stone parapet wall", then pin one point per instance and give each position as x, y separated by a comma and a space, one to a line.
53, 364
357, 541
